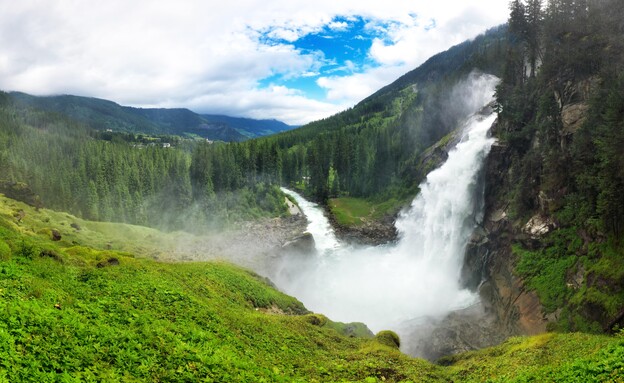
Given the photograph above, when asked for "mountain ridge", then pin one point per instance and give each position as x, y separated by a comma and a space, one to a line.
102, 114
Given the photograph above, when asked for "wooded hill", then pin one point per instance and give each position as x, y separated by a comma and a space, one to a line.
370, 150
106, 115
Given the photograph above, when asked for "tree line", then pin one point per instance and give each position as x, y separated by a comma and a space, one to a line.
116, 177
566, 55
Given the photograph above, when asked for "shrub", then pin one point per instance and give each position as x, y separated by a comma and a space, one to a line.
388, 338
5, 251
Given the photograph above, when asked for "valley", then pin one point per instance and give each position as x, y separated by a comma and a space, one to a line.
462, 223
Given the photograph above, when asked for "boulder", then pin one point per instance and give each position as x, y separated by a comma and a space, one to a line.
303, 244
56, 235
538, 226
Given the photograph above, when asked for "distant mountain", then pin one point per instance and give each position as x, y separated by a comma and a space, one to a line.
103, 114
248, 126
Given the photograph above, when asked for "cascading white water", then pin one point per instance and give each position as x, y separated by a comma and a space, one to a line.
418, 276
318, 225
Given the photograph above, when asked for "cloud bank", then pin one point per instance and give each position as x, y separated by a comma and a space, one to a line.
242, 57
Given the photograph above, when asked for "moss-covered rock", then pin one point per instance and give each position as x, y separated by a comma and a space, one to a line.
388, 338
316, 319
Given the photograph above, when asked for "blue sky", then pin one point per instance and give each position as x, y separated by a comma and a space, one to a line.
341, 46
292, 60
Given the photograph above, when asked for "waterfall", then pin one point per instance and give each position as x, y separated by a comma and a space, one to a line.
416, 277
318, 224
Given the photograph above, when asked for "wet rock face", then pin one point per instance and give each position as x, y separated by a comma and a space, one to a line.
303, 244
504, 295
462, 330
371, 233
475, 260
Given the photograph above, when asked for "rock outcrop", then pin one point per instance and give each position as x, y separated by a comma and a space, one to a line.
490, 262
370, 233
462, 330
302, 244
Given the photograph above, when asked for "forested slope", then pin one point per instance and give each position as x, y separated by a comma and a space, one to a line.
106, 115
370, 150
114, 176
555, 192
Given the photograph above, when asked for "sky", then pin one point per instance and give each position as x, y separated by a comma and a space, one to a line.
292, 60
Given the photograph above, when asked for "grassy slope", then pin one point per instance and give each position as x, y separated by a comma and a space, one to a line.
63, 318
351, 211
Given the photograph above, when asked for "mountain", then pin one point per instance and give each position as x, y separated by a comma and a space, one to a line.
103, 114
249, 127
371, 150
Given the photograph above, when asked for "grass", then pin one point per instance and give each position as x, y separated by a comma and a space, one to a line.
544, 358
351, 211
80, 312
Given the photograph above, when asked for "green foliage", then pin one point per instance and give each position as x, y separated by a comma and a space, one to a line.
82, 317
584, 288
388, 338
546, 271
351, 211
544, 358
5, 251
71, 313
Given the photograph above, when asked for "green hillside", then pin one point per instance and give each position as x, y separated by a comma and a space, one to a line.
75, 312
106, 115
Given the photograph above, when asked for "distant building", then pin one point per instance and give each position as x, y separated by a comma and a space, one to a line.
166, 145
109, 130
209, 141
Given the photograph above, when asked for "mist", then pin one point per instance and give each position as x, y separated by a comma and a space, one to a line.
418, 276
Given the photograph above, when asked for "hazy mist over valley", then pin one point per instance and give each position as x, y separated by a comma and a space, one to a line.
285, 191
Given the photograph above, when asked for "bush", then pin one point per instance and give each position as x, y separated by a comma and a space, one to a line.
388, 338
5, 251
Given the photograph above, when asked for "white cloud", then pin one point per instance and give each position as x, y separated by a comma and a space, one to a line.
210, 57
338, 26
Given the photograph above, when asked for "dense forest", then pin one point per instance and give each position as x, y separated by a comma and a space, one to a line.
113, 176
561, 121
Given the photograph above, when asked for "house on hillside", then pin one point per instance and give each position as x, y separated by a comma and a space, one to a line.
166, 145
